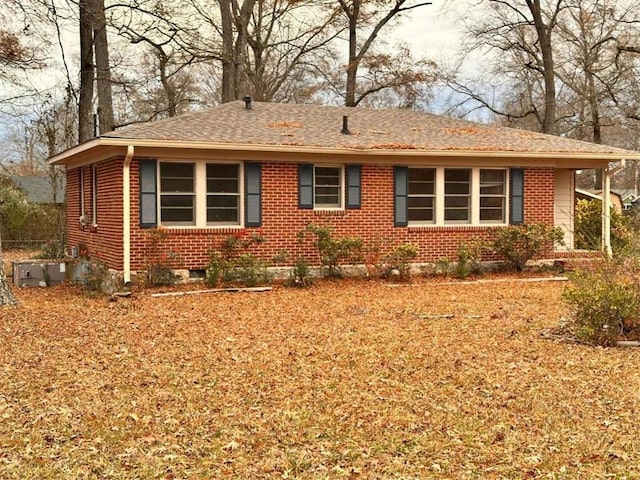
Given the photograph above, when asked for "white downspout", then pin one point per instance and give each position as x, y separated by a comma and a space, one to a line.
607, 173
126, 215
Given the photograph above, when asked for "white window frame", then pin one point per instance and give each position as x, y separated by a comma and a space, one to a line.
504, 197
200, 195
474, 219
238, 195
162, 193
434, 196
341, 186
470, 196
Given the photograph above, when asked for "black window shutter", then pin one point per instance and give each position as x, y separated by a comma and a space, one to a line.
400, 191
253, 194
354, 188
148, 193
305, 185
517, 196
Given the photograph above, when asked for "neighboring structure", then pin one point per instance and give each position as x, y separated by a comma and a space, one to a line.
39, 189
614, 198
628, 196
388, 176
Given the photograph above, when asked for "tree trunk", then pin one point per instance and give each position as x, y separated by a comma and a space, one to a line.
234, 52
228, 72
85, 102
240, 51
352, 66
103, 70
544, 36
6, 295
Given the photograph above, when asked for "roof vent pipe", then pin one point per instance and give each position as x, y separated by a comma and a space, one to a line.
247, 102
345, 125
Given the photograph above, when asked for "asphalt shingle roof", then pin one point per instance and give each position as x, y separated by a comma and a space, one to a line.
273, 124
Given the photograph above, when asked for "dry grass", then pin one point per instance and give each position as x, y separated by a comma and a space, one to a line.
343, 380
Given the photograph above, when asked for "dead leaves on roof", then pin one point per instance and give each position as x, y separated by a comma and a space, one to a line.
285, 125
393, 146
469, 131
343, 380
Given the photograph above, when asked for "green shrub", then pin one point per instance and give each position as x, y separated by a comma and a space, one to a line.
300, 273
440, 267
469, 257
233, 264
605, 302
400, 260
92, 273
517, 244
216, 268
159, 259
250, 270
334, 251
160, 274
588, 227
52, 249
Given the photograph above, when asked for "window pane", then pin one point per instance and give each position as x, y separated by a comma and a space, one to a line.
457, 175
222, 185
422, 181
491, 202
181, 185
492, 176
457, 189
492, 189
176, 177
421, 202
222, 215
176, 201
457, 215
219, 201
422, 174
328, 188
327, 200
456, 202
184, 170
176, 209
222, 170
492, 195
420, 215
222, 178
492, 215
421, 209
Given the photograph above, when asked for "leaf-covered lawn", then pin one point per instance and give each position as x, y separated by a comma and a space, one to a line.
342, 380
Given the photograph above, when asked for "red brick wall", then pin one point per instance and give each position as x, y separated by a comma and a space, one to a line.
281, 220
103, 241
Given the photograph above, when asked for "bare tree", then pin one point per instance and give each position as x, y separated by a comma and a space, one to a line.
163, 29
94, 45
368, 17
287, 40
520, 34
87, 73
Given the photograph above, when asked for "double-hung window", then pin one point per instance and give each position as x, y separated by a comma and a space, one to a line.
327, 183
492, 195
223, 194
422, 195
443, 196
457, 195
177, 193
200, 194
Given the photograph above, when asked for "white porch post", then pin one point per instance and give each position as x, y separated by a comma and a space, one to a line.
606, 211
126, 215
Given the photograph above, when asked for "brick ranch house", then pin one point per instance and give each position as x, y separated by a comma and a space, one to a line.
387, 176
